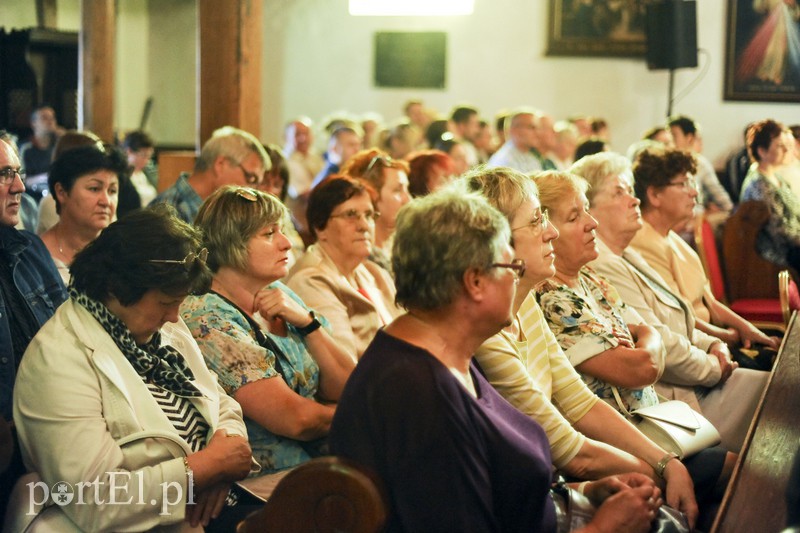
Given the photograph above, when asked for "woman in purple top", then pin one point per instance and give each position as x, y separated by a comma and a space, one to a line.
453, 454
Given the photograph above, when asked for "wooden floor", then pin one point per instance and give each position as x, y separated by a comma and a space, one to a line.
755, 501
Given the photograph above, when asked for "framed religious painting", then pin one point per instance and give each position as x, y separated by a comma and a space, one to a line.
762, 56
596, 28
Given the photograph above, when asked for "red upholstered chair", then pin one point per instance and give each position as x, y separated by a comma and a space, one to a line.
764, 311
327, 494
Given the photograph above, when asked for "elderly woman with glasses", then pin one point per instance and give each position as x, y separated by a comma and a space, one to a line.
113, 398
270, 350
664, 184
335, 276
523, 361
418, 411
388, 179
616, 353
698, 368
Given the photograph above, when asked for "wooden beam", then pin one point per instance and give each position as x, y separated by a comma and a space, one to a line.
229, 78
96, 79
46, 14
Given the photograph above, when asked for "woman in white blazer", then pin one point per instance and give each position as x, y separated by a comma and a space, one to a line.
113, 402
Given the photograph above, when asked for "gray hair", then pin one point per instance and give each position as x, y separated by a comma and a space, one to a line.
462, 231
233, 144
597, 167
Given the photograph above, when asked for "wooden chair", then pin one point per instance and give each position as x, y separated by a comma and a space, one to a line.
170, 166
765, 311
328, 494
748, 275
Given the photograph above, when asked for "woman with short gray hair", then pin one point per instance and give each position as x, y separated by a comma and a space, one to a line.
417, 410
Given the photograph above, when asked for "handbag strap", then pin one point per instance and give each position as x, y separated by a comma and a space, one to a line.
621, 405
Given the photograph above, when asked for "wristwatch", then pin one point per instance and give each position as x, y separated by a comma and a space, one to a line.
310, 328
662, 464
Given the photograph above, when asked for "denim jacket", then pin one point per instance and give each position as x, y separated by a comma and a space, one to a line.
37, 279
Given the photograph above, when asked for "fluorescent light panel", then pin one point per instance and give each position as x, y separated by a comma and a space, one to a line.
415, 8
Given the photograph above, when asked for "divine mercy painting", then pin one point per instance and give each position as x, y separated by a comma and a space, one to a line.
763, 52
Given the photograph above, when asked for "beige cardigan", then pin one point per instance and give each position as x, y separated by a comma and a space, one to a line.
354, 318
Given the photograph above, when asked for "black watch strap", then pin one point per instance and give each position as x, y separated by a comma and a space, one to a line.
312, 327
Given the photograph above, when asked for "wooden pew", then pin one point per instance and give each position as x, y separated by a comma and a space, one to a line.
755, 500
325, 494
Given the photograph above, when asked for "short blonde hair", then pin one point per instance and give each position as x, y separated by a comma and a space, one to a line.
596, 168
505, 188
230, 217
554, 186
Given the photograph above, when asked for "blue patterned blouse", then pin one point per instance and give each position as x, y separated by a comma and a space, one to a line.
231, 350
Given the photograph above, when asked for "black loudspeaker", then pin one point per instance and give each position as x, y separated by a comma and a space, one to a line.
671, 34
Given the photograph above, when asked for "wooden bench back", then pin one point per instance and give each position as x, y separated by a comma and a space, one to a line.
747, 275
328, 494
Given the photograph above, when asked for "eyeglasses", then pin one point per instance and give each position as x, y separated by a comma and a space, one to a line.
385, 159
517, 265
539, 224
7, 175
351, 215
689, 184
191, 257
250, 177
248, 194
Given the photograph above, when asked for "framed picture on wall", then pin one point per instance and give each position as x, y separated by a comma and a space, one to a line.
762, 55
596, 28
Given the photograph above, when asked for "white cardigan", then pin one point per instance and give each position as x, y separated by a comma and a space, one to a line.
82, 411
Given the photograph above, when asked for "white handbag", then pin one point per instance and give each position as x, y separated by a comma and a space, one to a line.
673, 425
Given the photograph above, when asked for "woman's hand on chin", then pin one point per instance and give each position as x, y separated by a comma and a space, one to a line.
272, 303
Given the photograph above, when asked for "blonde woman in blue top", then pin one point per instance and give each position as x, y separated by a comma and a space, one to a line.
264, 343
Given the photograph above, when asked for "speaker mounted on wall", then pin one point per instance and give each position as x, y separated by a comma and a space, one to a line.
671, 29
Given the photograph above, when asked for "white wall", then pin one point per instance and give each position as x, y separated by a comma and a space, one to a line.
319, 60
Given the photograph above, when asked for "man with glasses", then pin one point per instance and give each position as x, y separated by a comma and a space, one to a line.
230, 157
30, 291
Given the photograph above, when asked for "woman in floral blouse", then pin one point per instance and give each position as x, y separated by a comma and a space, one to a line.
264, 343
603, 339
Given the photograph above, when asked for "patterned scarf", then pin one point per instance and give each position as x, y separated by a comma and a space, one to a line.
164, 366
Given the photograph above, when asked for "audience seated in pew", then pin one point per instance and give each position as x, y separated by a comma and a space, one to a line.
609, 344
132, 406
335, 276
230, 157
663, 183
25, 305
779, 241
387, 179
698, 367
454, 455
272, 353
524, 363
85, 184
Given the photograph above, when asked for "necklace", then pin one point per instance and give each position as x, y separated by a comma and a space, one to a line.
58, 242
